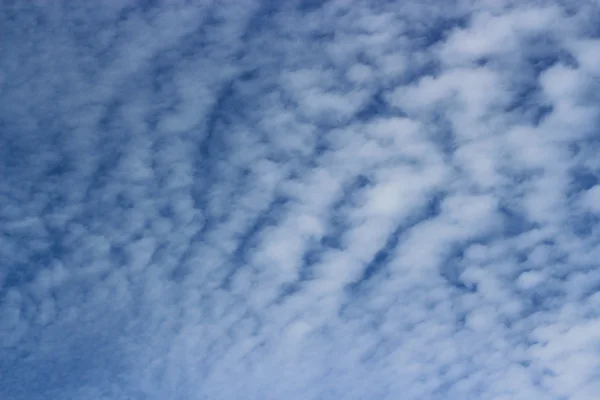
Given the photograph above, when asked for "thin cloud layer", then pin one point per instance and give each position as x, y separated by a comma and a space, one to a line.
299, 200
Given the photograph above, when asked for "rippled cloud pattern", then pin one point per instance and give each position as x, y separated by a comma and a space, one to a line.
261, 199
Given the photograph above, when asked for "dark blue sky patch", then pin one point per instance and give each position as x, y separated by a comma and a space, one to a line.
376, 107
546, 297
542, 52
514, 221
583, 179
211, 149
165, 96
586, 225
426, 34
199, 42
308, 6
452, 268
18, 275
309, 259
380, 259
442, 134
263, 20
528, 103
337, 222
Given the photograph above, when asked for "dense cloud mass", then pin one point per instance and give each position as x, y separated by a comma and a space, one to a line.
261, 199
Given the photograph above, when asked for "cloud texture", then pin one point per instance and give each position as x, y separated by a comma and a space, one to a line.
299, 200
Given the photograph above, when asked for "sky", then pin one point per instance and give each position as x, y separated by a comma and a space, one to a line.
303, 199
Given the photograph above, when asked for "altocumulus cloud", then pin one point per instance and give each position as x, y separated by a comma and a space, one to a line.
299, 200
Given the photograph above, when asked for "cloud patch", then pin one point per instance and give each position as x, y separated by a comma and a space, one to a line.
302, 200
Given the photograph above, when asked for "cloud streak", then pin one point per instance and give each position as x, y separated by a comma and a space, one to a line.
299, 200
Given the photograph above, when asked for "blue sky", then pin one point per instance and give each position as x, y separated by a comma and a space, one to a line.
299, 200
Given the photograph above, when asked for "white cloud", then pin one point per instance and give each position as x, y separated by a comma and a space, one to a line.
294, 200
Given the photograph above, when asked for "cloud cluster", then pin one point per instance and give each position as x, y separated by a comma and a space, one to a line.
299, 200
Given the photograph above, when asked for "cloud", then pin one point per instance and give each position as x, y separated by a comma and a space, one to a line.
299, 200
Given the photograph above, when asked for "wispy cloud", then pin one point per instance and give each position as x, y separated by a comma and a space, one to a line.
303, 200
